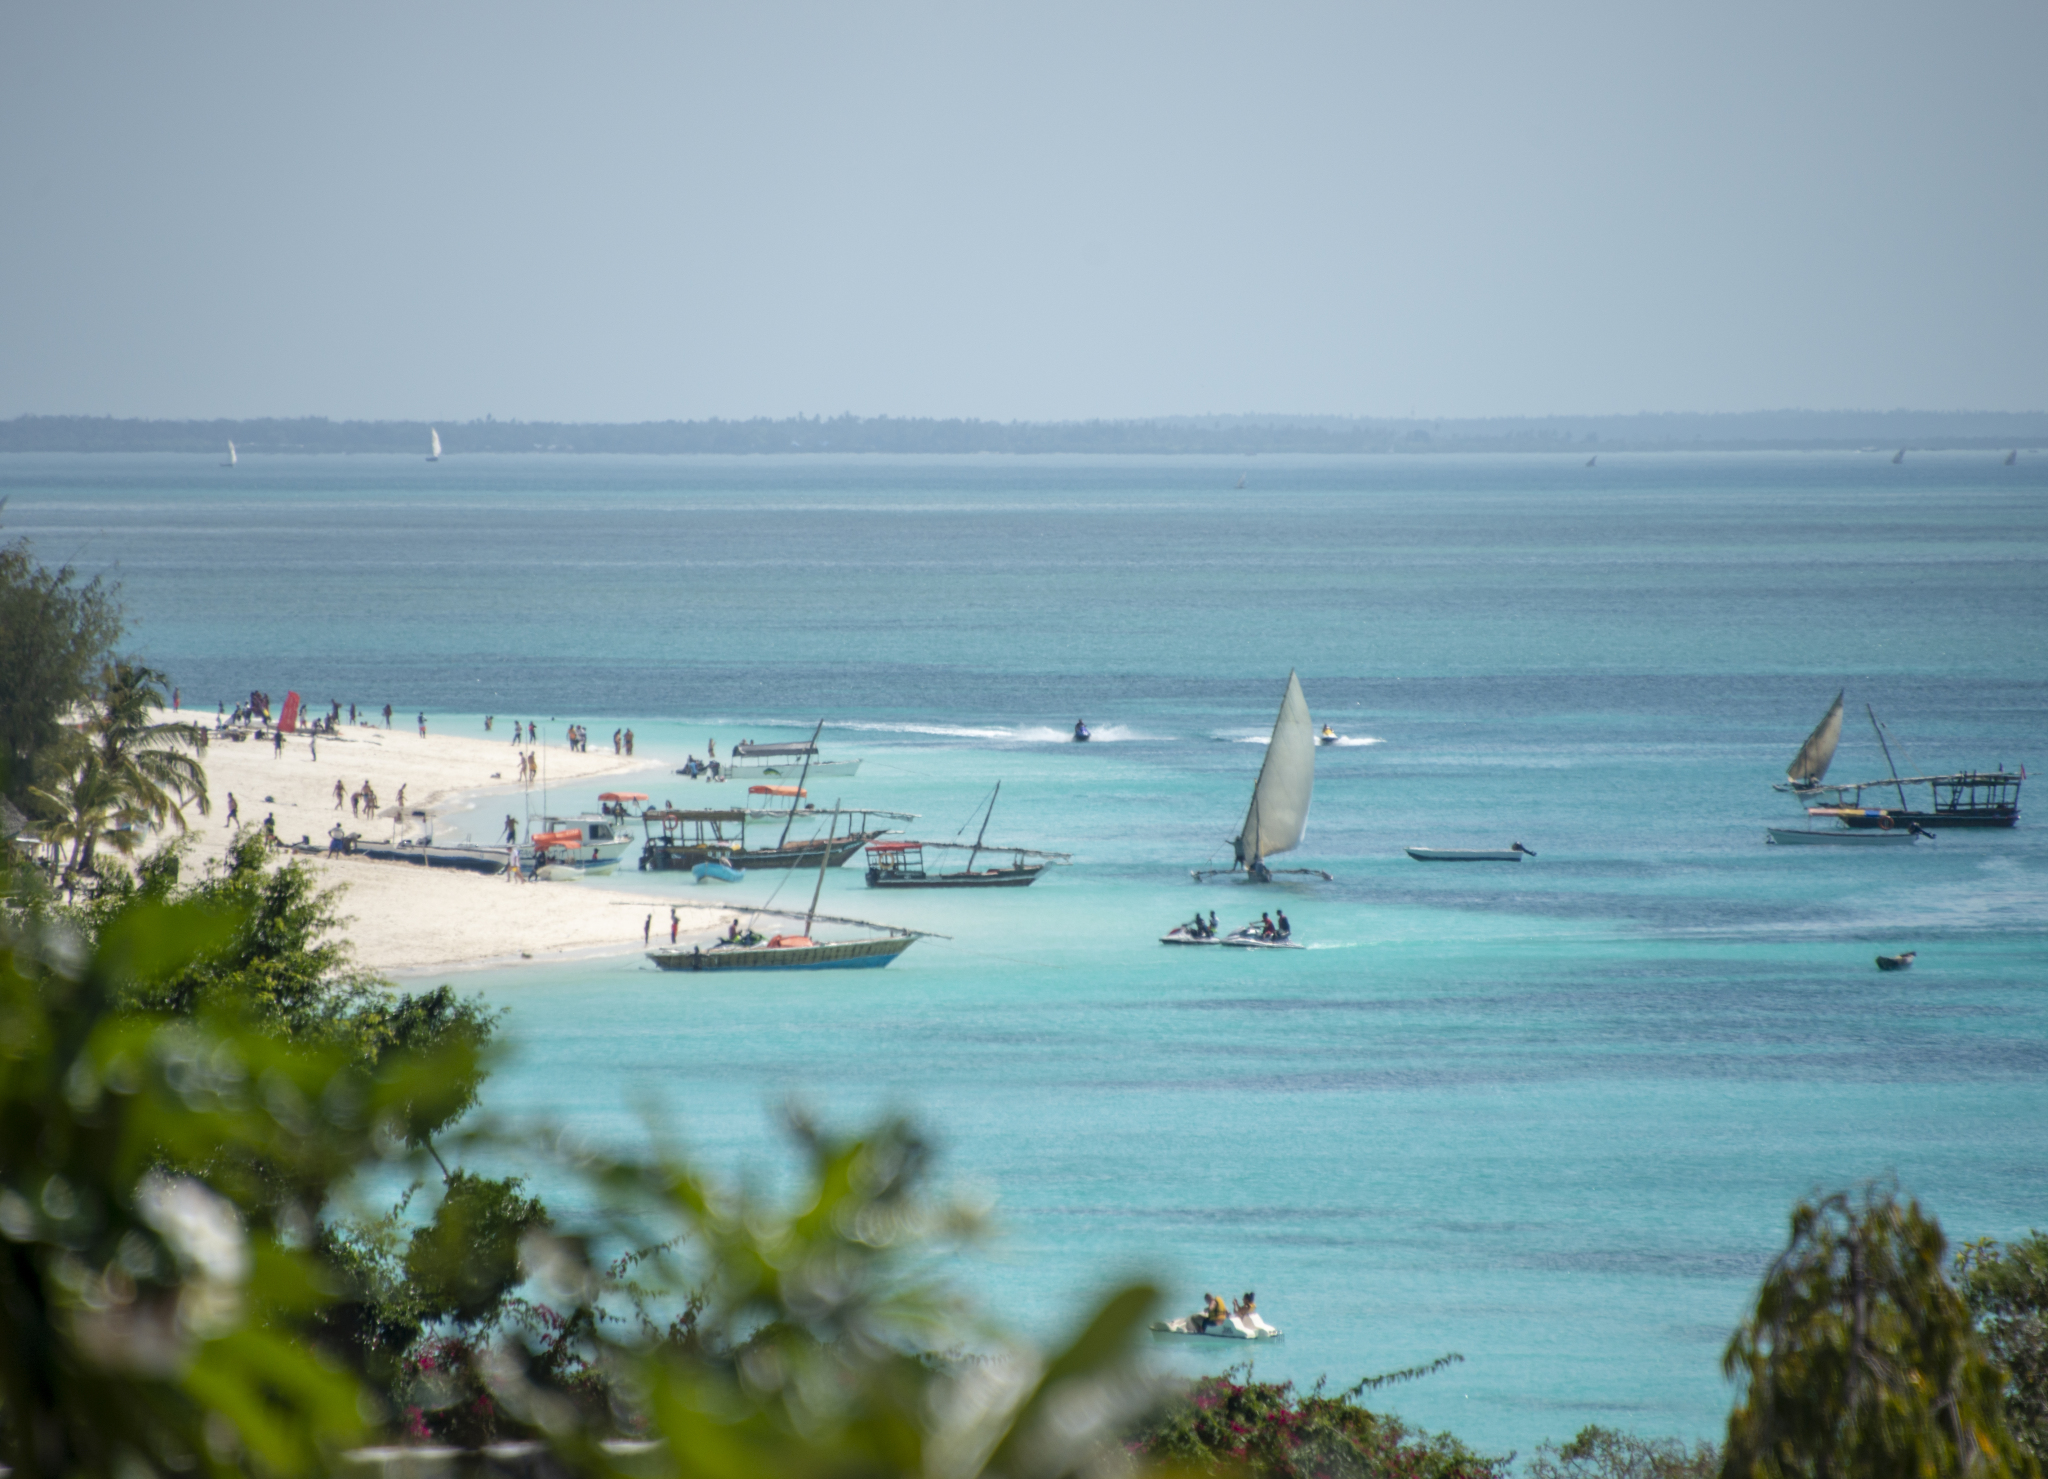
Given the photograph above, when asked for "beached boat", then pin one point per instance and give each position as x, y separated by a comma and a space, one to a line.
1279, 809
748, 950
571, 846
901, 864
1511, 854
1970, 798
800, 759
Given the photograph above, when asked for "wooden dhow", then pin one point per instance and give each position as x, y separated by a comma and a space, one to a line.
1279, 809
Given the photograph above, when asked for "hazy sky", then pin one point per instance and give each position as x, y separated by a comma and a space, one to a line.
615, 212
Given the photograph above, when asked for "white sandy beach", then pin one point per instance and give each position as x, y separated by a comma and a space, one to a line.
402, 918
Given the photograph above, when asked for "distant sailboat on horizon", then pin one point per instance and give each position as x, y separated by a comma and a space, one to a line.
2012, 457
1240, 481
232, 459
1900, 458
435, 434
1593, 459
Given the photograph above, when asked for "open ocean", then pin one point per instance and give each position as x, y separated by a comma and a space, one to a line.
1551, 1116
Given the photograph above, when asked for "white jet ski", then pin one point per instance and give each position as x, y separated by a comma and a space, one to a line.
1253, 937
1182, 934
1238, 1327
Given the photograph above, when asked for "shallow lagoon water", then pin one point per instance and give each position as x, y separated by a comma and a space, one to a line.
1549, 1115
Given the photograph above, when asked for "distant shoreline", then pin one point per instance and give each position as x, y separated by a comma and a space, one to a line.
1582, 436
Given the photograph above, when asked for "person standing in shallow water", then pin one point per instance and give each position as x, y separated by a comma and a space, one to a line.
387, 716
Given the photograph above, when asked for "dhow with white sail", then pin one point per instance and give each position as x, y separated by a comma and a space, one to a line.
434, 440
1810, 766
1279, 809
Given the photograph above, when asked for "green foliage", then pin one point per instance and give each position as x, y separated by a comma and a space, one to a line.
158, 1180
55, 635
2006, 1288
1604, 1453
1231, 1423
282, 962
1861, 1359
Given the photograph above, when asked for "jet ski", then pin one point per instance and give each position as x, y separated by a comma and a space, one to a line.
1329, 736
1184, 934
1081, 734
1253, 937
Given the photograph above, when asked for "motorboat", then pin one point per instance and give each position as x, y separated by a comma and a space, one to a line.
751, 761
1511, 854
1250, 1326
1081, 734
1278, 815
571, 846
1896, 962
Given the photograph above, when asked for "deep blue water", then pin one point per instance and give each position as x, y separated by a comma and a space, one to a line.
1551, 1116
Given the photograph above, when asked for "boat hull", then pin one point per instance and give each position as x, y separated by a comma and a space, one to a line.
662, 855
2005, 816
846, 955
789, 770
721, 871
1244, 941
988, 878
1793, 837
1464, 855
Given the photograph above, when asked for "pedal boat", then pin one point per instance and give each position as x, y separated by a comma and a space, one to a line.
1238, 1327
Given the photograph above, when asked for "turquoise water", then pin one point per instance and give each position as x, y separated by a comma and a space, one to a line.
1551, 1116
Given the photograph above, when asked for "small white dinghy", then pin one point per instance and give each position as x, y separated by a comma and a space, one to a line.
1842, 837
1513, 854
1193, 1327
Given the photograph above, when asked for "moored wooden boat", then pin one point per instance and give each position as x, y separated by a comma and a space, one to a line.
1512, 854
902, 865
783, 953
1898, 962
1839, 837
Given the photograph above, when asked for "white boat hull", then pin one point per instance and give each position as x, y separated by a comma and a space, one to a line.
1794, 837
1246, 939
1182, 937
1237, 1327
1464, 855
781, 771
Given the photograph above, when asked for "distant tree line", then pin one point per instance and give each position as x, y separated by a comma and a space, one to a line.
1174, 435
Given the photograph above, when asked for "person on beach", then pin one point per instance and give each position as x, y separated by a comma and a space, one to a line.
270, 826
629, 742
711, 749
314, 746
387, 716
511, 828
618, 741
234, 811
177, 701
423, 726
512, 874
401, 798
340, 793
277, 744
647, 930
675, 925
487, 724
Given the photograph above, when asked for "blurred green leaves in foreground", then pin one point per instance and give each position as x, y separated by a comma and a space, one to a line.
193, 1099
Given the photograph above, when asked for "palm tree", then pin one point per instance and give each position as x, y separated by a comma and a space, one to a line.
145, 758
88, 808
119, 769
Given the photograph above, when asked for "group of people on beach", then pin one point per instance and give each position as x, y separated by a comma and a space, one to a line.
622, 741
361, 802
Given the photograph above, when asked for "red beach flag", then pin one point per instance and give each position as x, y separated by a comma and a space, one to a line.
289, 723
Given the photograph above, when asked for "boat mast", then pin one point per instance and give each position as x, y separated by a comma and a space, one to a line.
1888, 754
824, 859
799, 796
984, 826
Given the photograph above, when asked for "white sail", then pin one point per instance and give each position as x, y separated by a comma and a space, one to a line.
1814, 757
1279, 810
435, 433
231, 454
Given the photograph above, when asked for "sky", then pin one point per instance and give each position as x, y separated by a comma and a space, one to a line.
617, 212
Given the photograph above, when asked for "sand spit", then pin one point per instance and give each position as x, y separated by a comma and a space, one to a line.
403, 919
